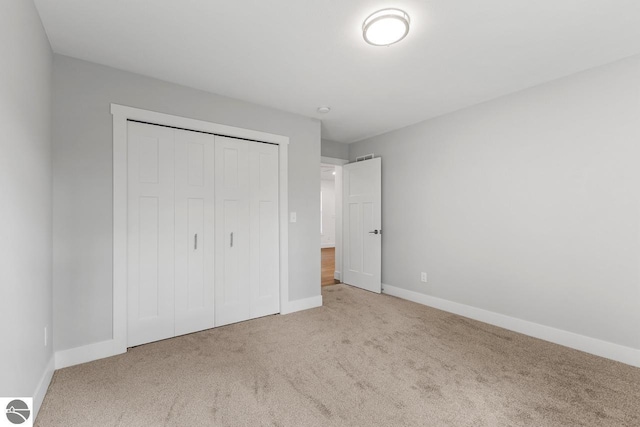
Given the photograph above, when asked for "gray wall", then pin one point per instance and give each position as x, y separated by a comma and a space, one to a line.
337, 150
526, 206
82, 163
25, 204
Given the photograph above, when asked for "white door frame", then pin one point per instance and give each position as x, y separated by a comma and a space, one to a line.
123, 113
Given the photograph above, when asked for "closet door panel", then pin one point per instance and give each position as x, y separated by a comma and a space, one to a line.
232, 231
264, 258
230, 288
195, 293
150, 233
148, 254
194, 249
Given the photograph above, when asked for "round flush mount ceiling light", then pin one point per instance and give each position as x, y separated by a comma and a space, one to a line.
385, 27
323, 110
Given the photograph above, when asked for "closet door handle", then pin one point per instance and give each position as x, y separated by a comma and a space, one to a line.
195, 242
232, 239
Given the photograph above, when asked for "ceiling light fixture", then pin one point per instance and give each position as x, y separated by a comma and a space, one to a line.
323, 110
385, 27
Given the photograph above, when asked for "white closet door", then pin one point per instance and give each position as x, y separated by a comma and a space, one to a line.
150, 233
265, 247
194, 241
232, 231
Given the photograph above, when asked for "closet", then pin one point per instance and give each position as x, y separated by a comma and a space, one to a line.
203, 235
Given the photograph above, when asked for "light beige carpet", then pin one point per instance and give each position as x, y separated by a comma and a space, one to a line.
361, 360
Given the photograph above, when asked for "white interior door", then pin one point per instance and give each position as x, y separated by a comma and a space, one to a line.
150, 233
362, 224
265, 230
194, 223
232, 288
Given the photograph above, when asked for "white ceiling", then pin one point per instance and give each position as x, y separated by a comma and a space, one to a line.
296, 55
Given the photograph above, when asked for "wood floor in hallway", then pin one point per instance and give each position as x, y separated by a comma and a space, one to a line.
328, 266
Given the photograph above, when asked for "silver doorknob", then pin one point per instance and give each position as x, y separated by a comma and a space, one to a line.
376, 232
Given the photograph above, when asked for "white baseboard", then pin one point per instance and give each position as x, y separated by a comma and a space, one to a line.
108, 348
327, 245
606, 349
337, 275
86, 353
43, 385
302, 304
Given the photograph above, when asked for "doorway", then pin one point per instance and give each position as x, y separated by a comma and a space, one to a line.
328, 223
331, 171
351, 196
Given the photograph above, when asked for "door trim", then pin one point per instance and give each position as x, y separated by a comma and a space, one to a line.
333, 161
121, 114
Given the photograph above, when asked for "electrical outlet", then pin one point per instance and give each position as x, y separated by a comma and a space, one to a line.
423, 277
45, 336
293, 217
